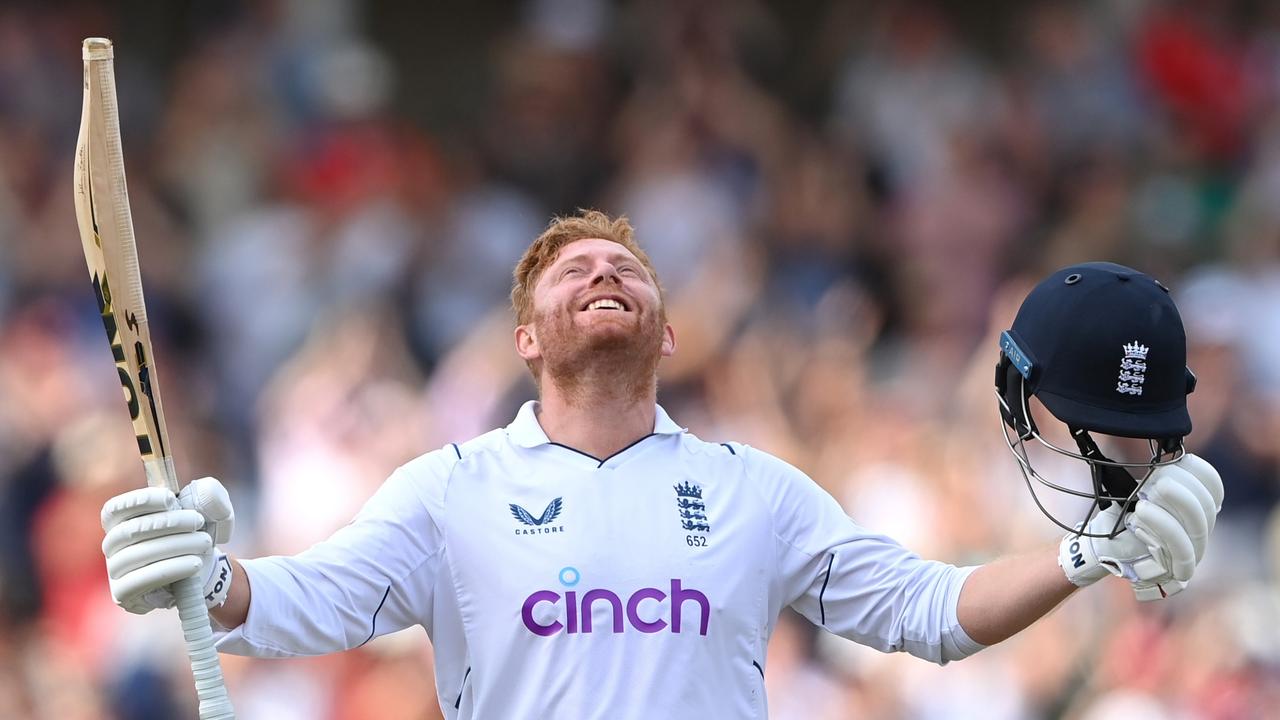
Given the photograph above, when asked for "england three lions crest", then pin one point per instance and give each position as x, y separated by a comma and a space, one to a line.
1133, 369
692, 508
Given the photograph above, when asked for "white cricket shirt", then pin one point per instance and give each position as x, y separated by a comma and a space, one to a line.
555, 584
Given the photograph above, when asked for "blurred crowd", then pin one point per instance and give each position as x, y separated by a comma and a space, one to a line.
846, 202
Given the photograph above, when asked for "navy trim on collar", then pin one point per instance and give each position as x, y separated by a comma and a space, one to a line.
525, 431
607, 459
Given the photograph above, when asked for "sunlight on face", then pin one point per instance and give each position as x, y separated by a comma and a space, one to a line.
590, 269
596, 307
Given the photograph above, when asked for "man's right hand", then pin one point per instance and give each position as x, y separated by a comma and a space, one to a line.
155, 539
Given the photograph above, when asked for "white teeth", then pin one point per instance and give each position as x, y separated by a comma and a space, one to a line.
605, 303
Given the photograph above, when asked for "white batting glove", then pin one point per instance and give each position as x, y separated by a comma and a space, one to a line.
155, 539
1164, 537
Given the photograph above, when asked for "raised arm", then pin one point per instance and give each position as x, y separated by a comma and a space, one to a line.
371, 577
1004, 596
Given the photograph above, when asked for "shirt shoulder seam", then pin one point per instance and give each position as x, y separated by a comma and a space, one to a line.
773, 522
753, 487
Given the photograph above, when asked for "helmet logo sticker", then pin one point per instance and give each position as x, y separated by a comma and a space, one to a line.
1133, 368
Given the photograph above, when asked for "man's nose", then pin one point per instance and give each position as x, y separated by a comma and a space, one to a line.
605, 272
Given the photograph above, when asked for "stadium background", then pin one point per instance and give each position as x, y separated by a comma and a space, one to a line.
846, 203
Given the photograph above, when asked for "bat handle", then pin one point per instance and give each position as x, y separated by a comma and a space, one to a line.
215, 704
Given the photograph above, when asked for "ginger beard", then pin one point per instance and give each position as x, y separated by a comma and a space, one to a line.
601, 351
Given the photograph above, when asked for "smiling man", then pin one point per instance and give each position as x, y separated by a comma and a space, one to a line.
593, 559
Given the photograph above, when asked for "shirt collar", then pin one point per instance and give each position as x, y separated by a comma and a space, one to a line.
526, 432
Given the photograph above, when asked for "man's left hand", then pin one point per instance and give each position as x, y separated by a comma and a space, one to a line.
1168, 490
1164, 537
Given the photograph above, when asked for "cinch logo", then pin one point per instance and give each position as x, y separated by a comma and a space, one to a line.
577, 613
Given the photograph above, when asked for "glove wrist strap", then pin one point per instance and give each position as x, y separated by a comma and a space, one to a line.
218, 585
1079, 562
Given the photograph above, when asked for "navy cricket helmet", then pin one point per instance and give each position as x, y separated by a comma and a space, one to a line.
1101, 346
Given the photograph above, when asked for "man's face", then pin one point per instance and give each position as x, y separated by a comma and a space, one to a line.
596, 302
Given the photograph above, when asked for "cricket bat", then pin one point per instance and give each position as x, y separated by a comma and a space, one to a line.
106, 233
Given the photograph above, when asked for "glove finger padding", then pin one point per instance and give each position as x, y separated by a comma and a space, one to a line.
1164, 537
130, 589
156, 524
135, 503
1208, 505
132, 557
208, 497
1171, 491
1207, 475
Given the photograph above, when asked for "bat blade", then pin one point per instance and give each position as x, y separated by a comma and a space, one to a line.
106, 235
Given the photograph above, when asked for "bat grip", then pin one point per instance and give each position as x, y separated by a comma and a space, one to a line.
215, 704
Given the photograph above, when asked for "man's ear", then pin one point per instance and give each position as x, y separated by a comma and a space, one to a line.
668, 340
527, 343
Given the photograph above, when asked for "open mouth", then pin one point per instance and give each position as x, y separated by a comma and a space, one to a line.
606, 303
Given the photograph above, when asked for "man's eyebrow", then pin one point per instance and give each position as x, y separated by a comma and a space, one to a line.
580, 257
615, 257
